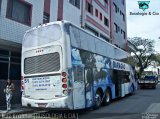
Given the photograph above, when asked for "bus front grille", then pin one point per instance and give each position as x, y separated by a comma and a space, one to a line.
42, 63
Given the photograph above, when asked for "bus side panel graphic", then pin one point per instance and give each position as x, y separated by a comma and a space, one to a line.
96, 69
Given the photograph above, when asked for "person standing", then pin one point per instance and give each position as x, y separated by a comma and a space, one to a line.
9, 92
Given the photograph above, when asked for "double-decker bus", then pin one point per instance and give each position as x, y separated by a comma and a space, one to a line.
66, 67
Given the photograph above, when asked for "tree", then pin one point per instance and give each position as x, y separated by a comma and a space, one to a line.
144, 52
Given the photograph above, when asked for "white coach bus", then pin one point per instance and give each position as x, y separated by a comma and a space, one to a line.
66, 67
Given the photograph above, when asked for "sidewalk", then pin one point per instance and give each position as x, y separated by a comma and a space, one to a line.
16, 109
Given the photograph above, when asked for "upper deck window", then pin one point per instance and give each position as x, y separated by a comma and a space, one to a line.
42, 36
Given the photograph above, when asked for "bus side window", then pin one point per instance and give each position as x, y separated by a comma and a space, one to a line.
113, 74
127, 79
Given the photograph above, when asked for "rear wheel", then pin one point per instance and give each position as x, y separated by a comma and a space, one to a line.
107, 98
98, 99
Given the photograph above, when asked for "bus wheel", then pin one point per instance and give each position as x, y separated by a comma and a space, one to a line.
98, 99
107, 98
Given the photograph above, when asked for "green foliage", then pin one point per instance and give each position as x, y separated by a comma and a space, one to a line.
144, 53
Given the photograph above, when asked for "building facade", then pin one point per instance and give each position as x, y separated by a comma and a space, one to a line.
119, 25
16, 16
103, 18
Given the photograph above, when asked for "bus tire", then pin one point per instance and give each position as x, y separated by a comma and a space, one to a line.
98, 100
107, 98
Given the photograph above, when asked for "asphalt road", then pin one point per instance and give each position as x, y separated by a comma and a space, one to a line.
144, 104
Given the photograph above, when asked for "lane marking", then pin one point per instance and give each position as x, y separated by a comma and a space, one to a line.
153, 108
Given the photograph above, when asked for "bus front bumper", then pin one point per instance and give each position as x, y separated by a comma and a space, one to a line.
52, 103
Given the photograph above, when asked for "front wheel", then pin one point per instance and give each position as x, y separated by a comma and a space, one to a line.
107, 98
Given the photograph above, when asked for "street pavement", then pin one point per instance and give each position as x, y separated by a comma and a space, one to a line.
144, 104
16, 109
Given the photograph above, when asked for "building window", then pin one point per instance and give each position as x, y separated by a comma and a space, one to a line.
96, 13
0, 5
91, 30
104, 38
89, 7
123, 2
116, 28
46, 12
106, 22
103, 2
116, 9
124, 34
76, 3
46, 17
106, 1
101, 16
10, 65
19, 11
123, 16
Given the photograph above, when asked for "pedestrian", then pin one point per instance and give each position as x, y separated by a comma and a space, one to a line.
9, 92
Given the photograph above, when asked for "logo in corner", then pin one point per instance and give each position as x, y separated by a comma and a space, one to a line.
143, 5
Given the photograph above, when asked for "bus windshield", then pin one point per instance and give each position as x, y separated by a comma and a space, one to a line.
42, 36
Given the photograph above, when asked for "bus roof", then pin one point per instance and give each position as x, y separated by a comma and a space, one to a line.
67, 22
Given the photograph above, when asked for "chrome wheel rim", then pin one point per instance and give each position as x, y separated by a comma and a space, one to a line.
98, 99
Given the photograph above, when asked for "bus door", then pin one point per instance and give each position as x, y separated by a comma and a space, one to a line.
126, 81
117, 80
78, 87
88, 86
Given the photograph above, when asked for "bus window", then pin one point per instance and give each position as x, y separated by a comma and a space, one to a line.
42, 35
126, 77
